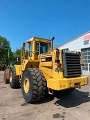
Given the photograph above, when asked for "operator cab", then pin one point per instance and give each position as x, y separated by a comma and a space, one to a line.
34, 47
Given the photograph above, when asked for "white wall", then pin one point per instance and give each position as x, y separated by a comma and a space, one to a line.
76, 44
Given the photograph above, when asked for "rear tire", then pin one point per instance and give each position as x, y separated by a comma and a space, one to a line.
13, 79
33, 85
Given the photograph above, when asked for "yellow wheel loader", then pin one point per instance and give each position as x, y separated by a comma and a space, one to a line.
44, 69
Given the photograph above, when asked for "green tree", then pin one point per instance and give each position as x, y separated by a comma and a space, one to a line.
5, 51
17, 56
18, 53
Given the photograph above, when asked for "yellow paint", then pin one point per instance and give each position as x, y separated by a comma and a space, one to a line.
46, 64
60, 84
18, 69
26, 85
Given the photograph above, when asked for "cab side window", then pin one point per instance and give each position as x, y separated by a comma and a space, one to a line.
37, 48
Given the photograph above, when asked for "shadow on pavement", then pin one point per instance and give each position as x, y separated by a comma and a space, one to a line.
76, 98
47, 99
72, 100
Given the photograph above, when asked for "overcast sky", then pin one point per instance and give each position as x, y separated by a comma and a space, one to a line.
63, 19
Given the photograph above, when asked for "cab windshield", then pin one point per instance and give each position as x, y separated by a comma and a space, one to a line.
41, 48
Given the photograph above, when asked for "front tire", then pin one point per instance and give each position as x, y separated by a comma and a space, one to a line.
33, 85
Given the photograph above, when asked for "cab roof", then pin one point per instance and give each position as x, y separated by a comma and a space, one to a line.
39, 39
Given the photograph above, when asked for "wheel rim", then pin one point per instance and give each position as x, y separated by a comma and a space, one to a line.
26, 85
10, 77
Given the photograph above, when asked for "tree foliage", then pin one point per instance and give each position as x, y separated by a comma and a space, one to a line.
17, 53
16, 56
5, 50
6, 55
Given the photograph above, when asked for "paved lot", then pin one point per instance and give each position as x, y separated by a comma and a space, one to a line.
73, 107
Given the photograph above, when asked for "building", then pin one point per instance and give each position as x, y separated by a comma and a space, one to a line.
81, 44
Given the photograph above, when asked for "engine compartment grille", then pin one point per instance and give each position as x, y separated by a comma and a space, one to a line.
71, 64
